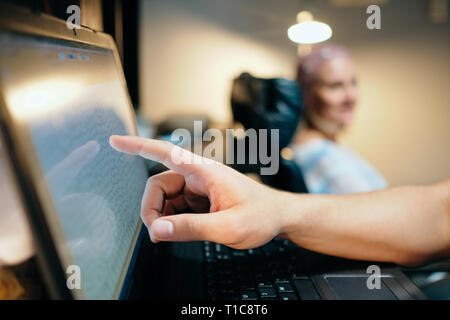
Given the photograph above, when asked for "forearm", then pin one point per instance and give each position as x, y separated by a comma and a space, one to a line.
405, 225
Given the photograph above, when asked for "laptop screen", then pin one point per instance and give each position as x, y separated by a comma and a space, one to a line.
69, 97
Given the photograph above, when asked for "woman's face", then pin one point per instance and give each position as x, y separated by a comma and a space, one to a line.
335, 93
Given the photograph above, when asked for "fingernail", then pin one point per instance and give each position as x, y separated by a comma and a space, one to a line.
162, 229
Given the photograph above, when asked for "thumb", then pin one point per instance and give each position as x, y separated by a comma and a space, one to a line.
191, 227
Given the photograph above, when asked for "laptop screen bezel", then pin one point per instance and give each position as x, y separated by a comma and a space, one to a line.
52, 254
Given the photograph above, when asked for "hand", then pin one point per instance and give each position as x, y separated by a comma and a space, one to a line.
405, 225
227, 207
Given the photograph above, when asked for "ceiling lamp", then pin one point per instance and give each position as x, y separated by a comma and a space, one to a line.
308, 31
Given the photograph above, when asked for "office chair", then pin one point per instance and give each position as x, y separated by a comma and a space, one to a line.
274, 103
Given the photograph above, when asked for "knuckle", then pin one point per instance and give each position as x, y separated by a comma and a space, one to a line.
150, 184
150, 181
156, 179
167, 143
194, 227
143, 212
168, 146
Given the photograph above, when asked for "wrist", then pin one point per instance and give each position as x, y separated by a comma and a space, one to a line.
299, 214
291, 212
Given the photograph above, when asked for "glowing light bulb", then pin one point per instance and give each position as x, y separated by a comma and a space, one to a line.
308, 31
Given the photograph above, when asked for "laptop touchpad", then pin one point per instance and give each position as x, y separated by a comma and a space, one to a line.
356, 288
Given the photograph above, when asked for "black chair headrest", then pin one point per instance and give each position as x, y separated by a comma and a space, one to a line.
274, 103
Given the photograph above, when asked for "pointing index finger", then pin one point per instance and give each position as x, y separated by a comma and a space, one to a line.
173, 157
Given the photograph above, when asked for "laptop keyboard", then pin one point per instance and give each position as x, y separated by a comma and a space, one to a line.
270, 272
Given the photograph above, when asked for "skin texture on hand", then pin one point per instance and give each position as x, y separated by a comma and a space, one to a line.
217, 203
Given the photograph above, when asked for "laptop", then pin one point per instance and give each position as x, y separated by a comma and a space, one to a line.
62, 94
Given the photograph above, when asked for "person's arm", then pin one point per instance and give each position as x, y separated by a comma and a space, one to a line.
406, 225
